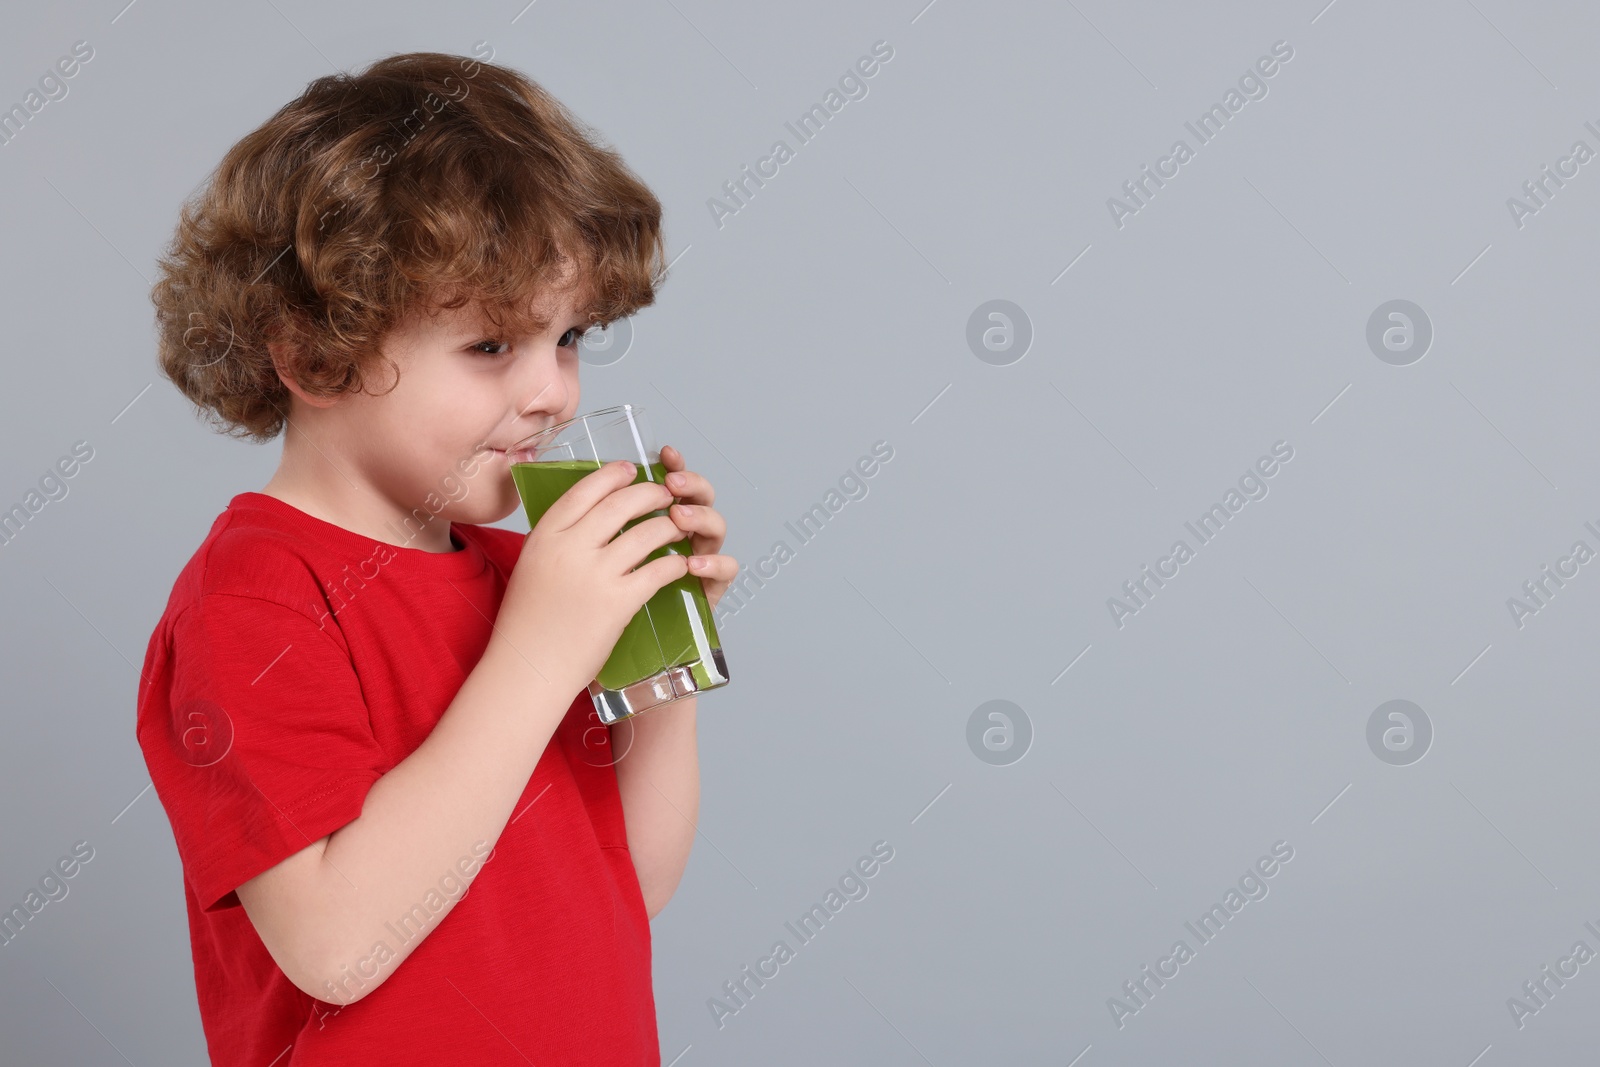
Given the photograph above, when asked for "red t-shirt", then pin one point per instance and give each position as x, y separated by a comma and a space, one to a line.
298, 662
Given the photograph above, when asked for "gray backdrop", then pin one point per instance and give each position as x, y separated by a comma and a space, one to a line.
1045, 451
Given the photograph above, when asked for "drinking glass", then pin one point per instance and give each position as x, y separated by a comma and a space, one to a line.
670, 648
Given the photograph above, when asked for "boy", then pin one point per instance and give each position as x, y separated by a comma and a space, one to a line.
360, 700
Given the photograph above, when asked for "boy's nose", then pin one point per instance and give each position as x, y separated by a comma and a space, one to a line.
550, 398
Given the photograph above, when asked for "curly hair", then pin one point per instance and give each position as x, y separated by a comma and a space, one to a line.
424, 181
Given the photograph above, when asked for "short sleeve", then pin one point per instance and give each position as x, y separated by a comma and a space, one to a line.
265, 744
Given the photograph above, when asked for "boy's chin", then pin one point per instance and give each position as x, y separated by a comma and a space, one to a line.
483, 512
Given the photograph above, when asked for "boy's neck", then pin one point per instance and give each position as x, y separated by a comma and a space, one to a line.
306, 479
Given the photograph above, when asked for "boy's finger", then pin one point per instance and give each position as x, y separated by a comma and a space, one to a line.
716, 568
706, 521
687, 485
588, 491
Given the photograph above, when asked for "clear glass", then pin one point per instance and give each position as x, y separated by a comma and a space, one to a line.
670, 649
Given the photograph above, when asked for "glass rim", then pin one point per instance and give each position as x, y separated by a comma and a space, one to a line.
550, 431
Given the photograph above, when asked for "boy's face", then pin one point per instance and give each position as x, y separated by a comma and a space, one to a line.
464, 395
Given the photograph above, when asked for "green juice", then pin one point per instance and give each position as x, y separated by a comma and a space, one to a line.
664, 632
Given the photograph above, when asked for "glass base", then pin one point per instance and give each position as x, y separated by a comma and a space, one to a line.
614, 705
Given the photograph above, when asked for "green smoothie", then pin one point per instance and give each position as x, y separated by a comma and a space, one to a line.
664, 633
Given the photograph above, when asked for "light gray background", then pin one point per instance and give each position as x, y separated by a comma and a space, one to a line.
832, 312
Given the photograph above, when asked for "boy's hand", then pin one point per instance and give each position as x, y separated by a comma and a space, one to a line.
574, 586
696, 517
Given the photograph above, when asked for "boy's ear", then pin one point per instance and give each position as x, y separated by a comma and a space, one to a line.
280, 363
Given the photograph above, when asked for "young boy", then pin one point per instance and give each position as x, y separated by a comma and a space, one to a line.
361, 700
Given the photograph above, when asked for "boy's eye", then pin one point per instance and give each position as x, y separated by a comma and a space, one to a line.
568, 339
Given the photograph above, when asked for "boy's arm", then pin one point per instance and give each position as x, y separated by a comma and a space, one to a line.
658, 776
323, 909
